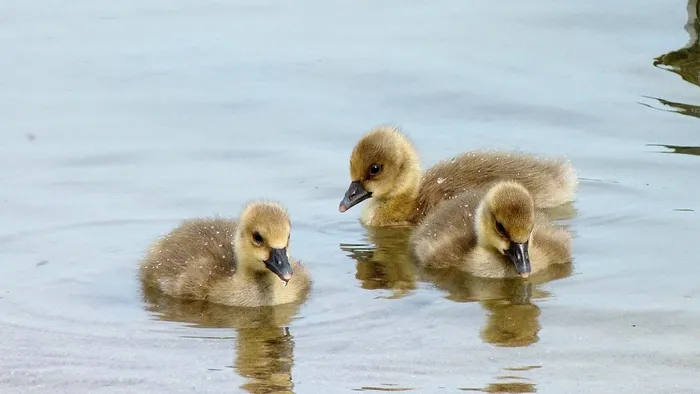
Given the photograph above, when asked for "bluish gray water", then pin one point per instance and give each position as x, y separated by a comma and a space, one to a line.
120, 119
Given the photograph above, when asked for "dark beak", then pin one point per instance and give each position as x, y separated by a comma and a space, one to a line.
518, 255
279, 264
356, 194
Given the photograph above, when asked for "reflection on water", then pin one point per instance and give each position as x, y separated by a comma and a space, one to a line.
510, 324
683, 150
385, 388
683, 109
265, 356
462, 287
509, 386
685, 61
384, 261
512, 318
264, 347
208, 315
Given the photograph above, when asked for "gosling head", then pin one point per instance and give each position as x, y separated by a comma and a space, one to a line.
262, 239
504, 222
382, 164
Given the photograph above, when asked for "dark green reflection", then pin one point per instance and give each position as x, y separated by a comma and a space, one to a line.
683, 150
685, 62
680, 108
384, 261
264, 346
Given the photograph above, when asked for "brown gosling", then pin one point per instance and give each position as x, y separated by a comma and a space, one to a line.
385, 168
491, 233
238, 263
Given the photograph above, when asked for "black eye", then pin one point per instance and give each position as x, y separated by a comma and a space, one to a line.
257, 238
501, 230
375, 169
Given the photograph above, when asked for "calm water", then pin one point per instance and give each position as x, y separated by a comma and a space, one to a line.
119, 119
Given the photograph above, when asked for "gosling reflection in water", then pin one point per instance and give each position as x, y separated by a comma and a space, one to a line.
509, 383
510, 324
511, 387
384, 261
512, 319
264, 346
265, 356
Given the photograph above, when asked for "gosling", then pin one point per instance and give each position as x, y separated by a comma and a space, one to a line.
241, 263
491, 233
385, 168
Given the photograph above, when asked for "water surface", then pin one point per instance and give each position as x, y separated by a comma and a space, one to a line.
121, 119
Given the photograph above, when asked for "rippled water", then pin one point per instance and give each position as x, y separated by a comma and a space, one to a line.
120, 119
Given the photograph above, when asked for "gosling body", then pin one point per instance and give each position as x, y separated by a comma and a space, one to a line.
488, 232
241, 262
385, 169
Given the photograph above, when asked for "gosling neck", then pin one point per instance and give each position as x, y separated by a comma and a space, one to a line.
245, 266
397, 209
480, 228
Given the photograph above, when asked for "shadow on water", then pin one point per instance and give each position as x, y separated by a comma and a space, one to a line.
684, 62
384, 261
264, 346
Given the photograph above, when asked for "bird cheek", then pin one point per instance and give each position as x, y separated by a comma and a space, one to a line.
503, 245
374, 187
252, 250
258, 253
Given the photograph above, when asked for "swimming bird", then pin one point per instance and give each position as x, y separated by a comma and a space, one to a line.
241, 262
491, 232
385, 169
